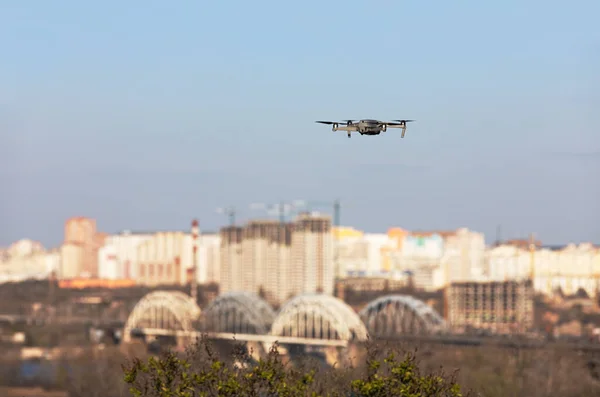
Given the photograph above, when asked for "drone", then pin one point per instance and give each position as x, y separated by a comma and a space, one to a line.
367, 127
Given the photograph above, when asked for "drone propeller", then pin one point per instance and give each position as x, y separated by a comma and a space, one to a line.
404, 121
349, 121
326, 122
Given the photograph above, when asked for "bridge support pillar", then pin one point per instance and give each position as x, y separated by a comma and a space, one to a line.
354, 354
182, 343
333, 355
255, 349
281, 349
134, 348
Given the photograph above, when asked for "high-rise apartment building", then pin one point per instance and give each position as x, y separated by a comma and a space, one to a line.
277, 259
231, 259
312, 255
209, 252
80, 248
265, 260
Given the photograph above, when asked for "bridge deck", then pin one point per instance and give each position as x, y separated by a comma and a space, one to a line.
249, 337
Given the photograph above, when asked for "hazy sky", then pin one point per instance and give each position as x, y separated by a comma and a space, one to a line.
145, 114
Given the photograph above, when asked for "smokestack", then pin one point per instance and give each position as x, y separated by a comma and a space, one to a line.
194, 283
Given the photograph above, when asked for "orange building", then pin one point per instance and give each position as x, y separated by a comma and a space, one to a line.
80, 248
80, 283
397, 235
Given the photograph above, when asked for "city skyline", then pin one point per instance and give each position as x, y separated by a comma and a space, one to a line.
145, 128
258, 257
241, 222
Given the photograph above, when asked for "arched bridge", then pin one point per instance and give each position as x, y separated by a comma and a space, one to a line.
238, 312
163, 312
391, 315
317, 316
306, 319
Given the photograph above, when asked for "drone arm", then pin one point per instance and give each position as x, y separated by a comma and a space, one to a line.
347, 128
397, 125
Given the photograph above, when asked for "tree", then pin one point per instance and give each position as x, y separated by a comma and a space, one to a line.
202, 373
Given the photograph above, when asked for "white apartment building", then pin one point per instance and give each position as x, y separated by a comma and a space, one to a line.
312, 255
209, 258
164, 259
350, 251
466, 259
420, 249
437, 258
71, 261
23, 248
265, 259
135, 256
231, 259
28, 259
570, 268
365, 255
117, 258
167, 257
353, 256
432, 258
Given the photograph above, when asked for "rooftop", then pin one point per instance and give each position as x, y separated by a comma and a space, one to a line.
429, 233
151, 232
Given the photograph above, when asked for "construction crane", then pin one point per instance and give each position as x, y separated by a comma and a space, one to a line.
335, 204
230, 212
281, 209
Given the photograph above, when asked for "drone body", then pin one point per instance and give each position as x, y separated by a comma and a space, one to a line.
367, 126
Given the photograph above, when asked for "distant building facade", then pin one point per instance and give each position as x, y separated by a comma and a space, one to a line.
312, 255
278, 260
231, 259
498, 307
118, 258
165, 258
209, 258
431, 259
79, 252
568, 268
27, 259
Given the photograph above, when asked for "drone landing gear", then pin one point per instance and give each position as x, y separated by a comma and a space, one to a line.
349, 135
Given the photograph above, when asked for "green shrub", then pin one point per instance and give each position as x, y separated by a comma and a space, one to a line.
202, 373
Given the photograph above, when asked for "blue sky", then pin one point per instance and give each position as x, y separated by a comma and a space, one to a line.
147, 114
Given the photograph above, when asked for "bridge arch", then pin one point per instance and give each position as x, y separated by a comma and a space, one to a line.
318, 316
163, 310
238, 312
392, 315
